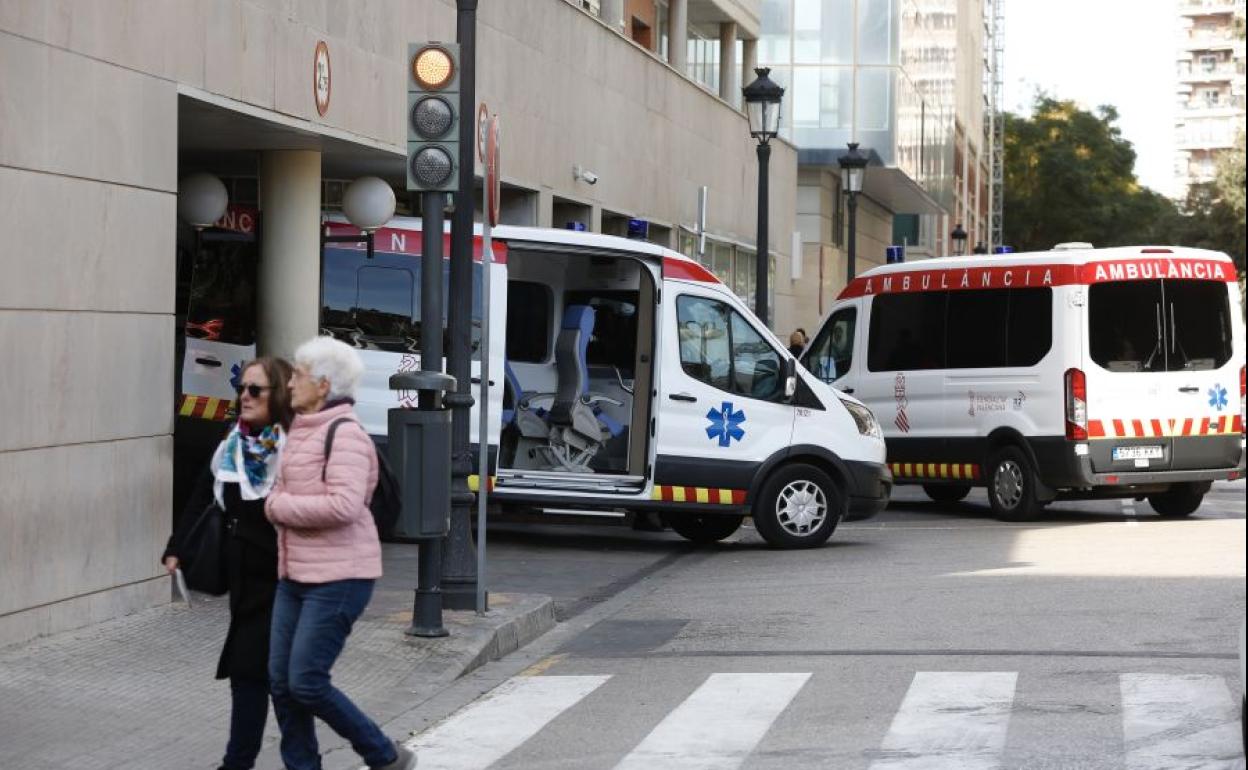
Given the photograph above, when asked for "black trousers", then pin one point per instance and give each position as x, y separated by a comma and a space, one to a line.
247, 718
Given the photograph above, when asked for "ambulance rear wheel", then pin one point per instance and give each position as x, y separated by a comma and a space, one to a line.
703, 529
1178, 501
947, 493
799, 506
1012, 486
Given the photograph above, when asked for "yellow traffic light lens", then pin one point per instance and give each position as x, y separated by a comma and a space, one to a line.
433, 67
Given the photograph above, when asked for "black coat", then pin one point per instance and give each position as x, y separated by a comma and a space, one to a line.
250, 551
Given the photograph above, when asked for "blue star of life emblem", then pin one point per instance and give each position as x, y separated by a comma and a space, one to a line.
725, 424
236, 375
1217, 397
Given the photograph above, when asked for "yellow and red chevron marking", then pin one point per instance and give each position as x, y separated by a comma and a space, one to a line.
205, 407
474, 483
1190, 426
953, 471
698, 495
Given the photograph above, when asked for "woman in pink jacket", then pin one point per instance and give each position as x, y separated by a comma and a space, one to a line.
329, 556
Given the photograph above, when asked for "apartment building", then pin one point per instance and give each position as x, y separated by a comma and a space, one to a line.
1210, 87
106, 105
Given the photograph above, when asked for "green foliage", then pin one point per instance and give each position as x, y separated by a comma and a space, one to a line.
1070, 176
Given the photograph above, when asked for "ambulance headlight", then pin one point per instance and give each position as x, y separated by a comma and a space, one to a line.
863, 418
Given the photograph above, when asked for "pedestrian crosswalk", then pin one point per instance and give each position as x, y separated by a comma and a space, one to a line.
946, 720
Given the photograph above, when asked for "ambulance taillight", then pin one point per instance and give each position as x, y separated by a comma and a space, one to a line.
1077, 405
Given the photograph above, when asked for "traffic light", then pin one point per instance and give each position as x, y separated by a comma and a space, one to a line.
433, 115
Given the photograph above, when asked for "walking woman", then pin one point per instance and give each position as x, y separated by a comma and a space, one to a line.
329, 556
239, 477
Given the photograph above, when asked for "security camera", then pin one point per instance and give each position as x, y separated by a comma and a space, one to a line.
586, 176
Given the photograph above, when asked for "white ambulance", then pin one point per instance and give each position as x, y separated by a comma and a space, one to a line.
1073, 374
623, 377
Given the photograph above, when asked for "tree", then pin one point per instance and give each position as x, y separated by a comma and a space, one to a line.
1070, 176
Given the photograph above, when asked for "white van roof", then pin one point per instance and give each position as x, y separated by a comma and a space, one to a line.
1047, 268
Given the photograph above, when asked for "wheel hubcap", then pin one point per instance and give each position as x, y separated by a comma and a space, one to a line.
1008, 484
801, 508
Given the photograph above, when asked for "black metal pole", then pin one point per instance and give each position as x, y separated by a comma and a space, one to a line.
762, 258
427, 608
459, 568
853, 236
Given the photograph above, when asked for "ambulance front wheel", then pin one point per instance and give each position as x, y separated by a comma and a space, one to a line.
1178, 501
703, 529
947, 493
1012, 485
798, 507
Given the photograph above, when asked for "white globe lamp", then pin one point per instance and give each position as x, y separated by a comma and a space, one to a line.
368, 203
202, 199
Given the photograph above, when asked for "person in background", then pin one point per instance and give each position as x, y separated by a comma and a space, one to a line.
240, 477
329, 557
797, 342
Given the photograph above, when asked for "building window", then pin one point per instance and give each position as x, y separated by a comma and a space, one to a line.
1211, 96
1208, 63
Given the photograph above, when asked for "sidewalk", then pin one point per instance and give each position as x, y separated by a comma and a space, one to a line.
138, 692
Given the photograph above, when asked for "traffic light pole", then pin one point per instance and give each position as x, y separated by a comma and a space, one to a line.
427, 607
459, 568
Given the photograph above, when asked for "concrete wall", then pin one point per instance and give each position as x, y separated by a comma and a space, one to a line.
88, 166
89, 96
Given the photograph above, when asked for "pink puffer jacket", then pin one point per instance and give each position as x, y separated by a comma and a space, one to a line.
325, 531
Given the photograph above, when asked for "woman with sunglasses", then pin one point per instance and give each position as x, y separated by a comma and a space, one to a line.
239, 478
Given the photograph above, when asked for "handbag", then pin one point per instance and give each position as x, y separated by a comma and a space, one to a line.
203, 564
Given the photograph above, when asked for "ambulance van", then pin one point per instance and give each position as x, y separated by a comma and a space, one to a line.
1072, 374
623, 377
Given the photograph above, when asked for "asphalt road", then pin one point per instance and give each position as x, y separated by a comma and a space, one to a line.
928, 637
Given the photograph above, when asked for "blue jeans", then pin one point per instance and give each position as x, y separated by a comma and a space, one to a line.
247, 717
311, 622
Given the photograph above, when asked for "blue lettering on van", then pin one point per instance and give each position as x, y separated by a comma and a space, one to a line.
725, 424
1217, 397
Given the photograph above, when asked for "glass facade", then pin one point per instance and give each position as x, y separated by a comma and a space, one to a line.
878, 72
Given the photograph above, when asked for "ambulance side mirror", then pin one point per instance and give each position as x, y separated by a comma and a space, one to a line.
790, 377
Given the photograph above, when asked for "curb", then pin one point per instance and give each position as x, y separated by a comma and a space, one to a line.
527, 624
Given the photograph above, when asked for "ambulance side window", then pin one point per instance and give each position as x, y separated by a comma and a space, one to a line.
719, 347
832, 353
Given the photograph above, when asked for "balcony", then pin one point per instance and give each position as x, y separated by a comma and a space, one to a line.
1219, 73
1209, 7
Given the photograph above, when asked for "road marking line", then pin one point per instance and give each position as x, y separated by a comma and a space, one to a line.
1128, 507
489, 729
1179, 720
718, 725
950, 720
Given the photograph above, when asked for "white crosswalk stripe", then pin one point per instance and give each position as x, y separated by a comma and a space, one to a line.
491, 728
718, 725
947, 720
1187, 721
950, 719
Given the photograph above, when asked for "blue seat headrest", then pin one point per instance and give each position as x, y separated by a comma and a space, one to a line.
578, 318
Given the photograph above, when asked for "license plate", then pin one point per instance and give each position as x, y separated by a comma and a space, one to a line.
1137, 453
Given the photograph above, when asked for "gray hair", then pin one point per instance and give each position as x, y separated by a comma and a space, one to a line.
336, 362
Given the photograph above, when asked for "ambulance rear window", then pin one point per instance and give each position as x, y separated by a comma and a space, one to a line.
1159, 326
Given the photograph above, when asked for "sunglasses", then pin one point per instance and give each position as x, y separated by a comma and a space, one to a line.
252, 390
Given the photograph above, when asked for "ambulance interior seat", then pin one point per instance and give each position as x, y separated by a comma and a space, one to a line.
578, 427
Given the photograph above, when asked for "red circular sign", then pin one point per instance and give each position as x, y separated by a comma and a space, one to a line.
321, 78
483, 131
493, 172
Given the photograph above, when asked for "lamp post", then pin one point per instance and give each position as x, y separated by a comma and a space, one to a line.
762, 107
853, 169
958, 236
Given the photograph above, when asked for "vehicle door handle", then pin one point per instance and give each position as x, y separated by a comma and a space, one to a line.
207, 362
477, 381
1189, 389
850, 391
683, 397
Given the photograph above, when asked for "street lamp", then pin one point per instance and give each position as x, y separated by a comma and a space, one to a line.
959, 239
853, 169
762, 107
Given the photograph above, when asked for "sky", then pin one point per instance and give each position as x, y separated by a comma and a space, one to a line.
1119, 52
